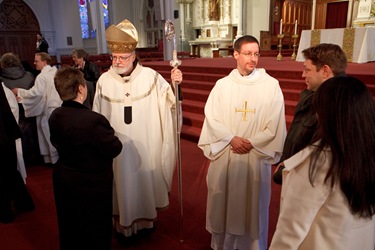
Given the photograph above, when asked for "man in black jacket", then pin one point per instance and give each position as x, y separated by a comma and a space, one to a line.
322, 62
41, 43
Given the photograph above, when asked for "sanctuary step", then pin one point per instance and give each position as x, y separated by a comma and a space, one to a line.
201, 74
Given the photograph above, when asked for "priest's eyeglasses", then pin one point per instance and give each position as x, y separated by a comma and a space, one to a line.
249, 54
120, 58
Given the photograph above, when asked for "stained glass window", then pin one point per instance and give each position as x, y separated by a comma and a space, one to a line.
84, 18
87, 31
105, 13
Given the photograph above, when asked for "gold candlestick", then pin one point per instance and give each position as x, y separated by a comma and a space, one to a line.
294, 37
279, 56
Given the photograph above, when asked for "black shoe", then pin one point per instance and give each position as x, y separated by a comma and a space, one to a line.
277, 176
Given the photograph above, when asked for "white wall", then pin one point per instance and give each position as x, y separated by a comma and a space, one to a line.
256, 17
123, 9
58, 19
67, 24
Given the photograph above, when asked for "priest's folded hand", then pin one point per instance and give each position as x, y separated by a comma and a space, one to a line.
240, 145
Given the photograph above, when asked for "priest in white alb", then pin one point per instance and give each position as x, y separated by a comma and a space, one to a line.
139, 104
242, 136
40, 101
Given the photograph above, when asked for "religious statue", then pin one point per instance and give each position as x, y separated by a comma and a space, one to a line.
214, 10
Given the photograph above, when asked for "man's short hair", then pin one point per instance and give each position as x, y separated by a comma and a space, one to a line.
327, 54
243, 40
45, 57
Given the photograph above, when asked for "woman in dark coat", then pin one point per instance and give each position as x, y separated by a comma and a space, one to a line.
90, 72
82, 177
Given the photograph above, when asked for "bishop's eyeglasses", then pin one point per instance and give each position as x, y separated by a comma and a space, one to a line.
120, 58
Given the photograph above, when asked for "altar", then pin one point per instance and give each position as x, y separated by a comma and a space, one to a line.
357, 43
207, 47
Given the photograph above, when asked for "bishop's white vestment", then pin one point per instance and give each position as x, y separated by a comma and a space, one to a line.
239, 185
40, 101
144, 169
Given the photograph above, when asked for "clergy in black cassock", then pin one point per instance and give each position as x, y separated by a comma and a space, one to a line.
13, 192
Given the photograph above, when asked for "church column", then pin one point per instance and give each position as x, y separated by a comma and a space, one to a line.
313, 15
240, 18
355, 9
221, 11
206, 15
227, 14
349, 18
138, 10
202, 10
168, 46
189, 3
97, 19
182, 18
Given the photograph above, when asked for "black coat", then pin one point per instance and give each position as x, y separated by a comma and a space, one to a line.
12, 188
303, 127
83, 176
43, 46
302, 130
91, 74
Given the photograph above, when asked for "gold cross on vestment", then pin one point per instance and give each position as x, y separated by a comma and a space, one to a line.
244, 110
127, 94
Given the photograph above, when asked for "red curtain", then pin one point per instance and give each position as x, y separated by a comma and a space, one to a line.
336, 15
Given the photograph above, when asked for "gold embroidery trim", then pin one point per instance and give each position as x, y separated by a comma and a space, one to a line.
136, 98
348, 43
315, 38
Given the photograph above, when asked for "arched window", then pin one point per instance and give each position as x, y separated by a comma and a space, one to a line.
84, 12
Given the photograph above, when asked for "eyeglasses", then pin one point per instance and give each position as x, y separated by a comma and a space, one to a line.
120, 58
249, 54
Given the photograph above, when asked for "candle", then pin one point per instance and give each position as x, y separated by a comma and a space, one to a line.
281, 26
295, 28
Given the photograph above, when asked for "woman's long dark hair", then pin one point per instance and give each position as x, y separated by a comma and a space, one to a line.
346, 115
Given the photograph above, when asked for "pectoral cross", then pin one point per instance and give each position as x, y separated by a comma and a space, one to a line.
128, 109
244, 110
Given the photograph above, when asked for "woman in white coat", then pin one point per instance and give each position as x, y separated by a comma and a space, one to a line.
328, 197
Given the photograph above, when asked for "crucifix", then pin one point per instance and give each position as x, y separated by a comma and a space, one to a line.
244, 110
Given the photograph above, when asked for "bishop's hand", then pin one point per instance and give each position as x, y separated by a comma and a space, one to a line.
176, 76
